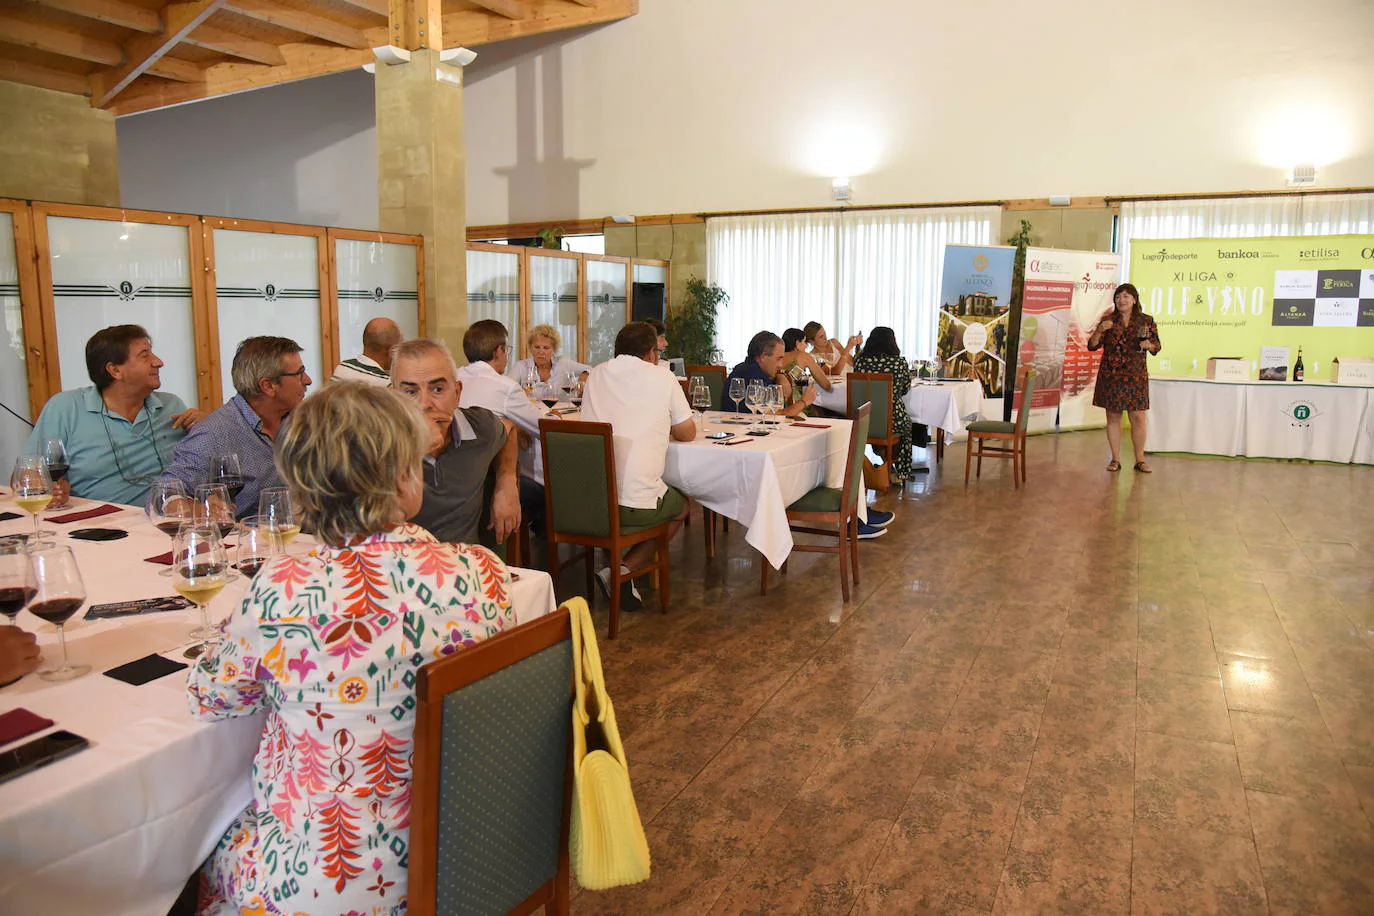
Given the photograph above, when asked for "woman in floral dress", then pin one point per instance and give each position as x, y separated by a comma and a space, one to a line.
1124, 334
328, 646
881, 354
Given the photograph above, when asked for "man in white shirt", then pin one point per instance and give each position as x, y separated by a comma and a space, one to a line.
374, 365
645, 407
485, 384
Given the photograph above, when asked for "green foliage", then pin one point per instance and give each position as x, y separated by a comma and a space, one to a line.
692, 325
1021, 240
552, 238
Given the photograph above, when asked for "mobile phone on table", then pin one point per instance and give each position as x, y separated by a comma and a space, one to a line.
40, 752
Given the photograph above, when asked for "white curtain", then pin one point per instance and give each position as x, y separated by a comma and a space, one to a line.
848, 271
1243, 217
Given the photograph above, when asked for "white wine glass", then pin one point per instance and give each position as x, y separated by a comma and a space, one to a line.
258, 544
200, 569
58, 595
32, 488
736, 392
933, 366
278, 511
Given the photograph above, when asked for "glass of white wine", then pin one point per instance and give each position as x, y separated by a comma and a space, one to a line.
32, 486
199, 569
277, 510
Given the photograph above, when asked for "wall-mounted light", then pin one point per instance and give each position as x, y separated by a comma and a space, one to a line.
1303, 176
841, 190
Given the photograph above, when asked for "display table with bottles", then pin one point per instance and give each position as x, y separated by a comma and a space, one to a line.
1315, 421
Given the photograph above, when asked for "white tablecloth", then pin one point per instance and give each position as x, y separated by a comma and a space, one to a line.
1308, 420
943, 406
119, 827
754, 482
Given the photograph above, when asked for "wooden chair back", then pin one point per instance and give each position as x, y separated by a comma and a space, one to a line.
715, 381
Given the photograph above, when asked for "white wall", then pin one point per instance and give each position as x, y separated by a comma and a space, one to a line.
733, 104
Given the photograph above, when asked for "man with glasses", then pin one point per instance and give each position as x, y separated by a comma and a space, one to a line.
119, 432
270, 380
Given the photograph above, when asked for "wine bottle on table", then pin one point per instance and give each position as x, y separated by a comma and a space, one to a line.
1297, 367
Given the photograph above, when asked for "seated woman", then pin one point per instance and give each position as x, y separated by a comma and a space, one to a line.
328, 644
543, 342
796, 362
881, 354
830, 353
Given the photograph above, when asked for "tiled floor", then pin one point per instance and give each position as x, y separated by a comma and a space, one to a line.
1103, 693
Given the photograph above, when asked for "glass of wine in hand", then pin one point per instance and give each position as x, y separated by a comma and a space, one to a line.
199, 570
55, 454
258, 543
227, 470
58, 595
16, 578
32, 488
277, 510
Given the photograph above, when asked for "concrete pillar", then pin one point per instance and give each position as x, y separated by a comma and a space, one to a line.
421, 178
55, 146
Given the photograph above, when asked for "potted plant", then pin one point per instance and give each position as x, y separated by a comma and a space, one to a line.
692, 325
551, 238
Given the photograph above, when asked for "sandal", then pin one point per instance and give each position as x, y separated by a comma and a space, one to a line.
1143, 468
1114, 466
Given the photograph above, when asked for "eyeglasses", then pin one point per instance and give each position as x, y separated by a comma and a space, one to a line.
298, 373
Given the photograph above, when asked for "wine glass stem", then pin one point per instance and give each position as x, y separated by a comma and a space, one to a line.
36, 533
62, 638
204, 619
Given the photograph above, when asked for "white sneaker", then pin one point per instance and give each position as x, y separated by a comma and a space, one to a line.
629, 595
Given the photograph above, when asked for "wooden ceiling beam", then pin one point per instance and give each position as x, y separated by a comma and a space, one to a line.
470, 28
181, 71
299, 20
115, 12
57, 40
142, 52
380, 7
511, 9
213, 38
416, 24
44, 77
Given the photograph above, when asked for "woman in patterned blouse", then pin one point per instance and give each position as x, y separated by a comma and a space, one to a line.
328, 646
881, 354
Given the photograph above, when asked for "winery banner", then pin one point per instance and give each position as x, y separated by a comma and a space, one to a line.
975, 295
1064, 296
1232, 297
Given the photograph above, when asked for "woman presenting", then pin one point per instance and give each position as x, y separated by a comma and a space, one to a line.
1124, 335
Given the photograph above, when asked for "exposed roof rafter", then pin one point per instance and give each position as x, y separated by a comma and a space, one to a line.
145, 51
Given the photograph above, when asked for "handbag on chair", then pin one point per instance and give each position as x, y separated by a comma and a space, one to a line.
606, 842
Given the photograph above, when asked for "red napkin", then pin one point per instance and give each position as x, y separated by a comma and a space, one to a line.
812, 425
84, 514
17, 723
165, 559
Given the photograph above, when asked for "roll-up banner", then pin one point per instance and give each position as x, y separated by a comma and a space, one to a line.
975, 295
1065, 294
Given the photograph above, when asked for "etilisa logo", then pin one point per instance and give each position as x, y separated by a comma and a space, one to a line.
1301, 414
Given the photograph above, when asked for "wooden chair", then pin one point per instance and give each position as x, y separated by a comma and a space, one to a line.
831, 507
502, 708
581, 508
715, 380
1013, 434
875, 389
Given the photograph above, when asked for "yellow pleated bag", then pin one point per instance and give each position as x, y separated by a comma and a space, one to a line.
606, 839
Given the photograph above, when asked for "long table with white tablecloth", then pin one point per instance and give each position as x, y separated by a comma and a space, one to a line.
118, 828
1309, 420
944, 406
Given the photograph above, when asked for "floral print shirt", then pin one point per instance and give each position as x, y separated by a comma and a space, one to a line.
329, 645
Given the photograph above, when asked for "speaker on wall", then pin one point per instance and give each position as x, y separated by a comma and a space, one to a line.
648, 301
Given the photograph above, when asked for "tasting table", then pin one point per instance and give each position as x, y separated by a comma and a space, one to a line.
943, 406
119, 827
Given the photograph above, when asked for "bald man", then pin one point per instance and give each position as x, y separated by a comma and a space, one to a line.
374, 365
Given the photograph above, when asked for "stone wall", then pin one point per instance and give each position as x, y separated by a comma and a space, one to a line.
54, 146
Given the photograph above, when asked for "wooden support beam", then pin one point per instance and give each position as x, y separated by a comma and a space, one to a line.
416, 24
142, 52
115, 12
511, 9
43, 77
180, 71
57, 40
470, 28
380, 7
300, 20
233, 44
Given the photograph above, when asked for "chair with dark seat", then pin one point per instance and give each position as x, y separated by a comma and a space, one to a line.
875, 389
494, 722
581, 507
715, 381
829, 506
1012, 434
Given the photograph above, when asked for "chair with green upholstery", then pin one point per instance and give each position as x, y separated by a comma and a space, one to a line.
581, 508
1012, 434
493, 722
835, 509
715, 381
875, 389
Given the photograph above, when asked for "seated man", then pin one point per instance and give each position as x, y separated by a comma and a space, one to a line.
270, 380
645, 406
764, 364
374, 365
120, 431
485, 384
472, 457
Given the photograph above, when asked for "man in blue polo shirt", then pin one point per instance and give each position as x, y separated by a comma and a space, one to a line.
121, 430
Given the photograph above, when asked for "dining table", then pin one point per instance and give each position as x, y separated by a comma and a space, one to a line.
944, 406
119, 827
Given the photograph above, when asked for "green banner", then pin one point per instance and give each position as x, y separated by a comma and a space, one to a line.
1231, 297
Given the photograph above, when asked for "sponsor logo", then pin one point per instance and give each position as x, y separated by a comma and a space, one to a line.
1237, 253
1103, 265
1310, 254
1333, 283
980, 262
1165, 254
1367, 254
1301, 414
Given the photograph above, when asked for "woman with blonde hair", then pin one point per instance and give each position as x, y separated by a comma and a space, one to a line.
831, 354
544, 342
328, 645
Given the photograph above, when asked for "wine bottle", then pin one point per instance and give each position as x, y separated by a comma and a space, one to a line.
1297, 367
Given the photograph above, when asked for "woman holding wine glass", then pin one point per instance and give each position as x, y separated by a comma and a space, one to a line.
1125, 335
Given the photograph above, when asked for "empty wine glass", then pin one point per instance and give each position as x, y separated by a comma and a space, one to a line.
753, 398
933, 366
168, 508
214, 506
531, 381
200, 569
278, 511
258, 543
736, 392
32, 488
16, 578
58, 595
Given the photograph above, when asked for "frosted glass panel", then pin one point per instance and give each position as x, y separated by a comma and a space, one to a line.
553, 297
375, 279
268, 284
14, 381
650, 273
106, 273
494, 291
605, 308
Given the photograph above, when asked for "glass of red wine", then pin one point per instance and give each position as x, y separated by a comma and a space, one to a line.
58, 595
227, 470
55, 454
16, 578
169, 508
259, 542
214, 506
